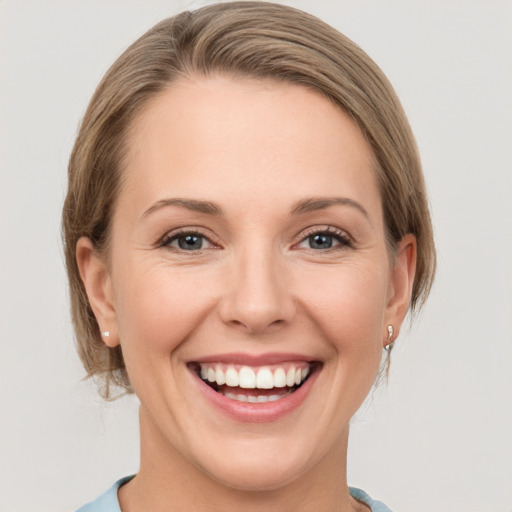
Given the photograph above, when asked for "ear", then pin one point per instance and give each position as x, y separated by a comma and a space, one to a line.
402, 280
98, 286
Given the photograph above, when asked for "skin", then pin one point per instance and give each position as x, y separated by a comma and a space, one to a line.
255, 149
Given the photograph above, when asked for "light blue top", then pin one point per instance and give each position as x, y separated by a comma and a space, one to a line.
108, 501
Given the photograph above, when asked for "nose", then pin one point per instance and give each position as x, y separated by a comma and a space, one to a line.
258, 298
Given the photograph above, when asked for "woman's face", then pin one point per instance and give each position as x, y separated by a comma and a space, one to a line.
248, 248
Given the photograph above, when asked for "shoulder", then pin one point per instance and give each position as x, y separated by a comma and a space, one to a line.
375, 506
108, 501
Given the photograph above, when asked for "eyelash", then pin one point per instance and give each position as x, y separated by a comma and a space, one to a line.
341, 236
171, 237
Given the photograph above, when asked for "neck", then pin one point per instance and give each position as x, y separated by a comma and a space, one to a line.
167, 481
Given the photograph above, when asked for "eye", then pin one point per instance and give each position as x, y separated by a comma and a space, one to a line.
187, 241
320, 241
325, 239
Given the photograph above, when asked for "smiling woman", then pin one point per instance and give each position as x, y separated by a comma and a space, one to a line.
246, 228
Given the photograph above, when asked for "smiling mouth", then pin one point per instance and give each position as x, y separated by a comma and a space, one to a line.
251, 384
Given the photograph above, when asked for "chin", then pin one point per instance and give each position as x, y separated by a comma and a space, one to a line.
263, 462
264, 474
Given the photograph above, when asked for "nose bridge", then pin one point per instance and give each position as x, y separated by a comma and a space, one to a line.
258, 296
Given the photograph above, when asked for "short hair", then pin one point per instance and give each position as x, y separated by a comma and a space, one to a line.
246, 39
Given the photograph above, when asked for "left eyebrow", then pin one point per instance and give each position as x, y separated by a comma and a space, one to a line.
311, 204
194, 205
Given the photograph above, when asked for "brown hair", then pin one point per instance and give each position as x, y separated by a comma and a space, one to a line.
241, 39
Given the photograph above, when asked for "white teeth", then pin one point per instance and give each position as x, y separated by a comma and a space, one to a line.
264, 379
247, 378
279, 378
251, 378
220, 378
254, 399
232, 377
290, 377
238, 398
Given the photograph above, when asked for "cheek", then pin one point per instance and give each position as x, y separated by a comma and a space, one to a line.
348, 304
158, 308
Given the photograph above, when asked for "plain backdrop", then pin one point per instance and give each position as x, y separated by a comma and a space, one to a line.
438, 436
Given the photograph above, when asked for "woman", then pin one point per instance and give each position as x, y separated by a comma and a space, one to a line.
246, 227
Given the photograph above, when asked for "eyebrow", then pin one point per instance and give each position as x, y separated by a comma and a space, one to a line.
309, 204
319, 203
190, 204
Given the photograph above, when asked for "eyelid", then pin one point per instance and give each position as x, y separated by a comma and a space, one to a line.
174, 234
345, 238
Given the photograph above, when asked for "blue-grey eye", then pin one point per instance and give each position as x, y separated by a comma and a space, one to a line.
190, 242
320, 241
323, 240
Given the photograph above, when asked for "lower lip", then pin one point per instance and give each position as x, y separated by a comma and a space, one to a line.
258, 412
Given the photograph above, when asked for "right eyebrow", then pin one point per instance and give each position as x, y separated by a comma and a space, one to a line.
319, 203
190, 204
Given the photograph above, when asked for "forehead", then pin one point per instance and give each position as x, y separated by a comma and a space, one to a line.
210, 138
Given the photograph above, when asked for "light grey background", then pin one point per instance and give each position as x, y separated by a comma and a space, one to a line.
439, 436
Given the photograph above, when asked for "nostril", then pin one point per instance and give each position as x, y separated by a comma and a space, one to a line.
258, 299
255, 327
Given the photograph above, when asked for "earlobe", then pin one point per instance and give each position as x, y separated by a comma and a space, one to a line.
97, 282
402, 280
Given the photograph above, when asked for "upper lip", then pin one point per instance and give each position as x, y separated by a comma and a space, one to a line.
241, 358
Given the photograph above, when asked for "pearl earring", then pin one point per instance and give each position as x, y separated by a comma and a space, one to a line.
391, 341
106, 334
